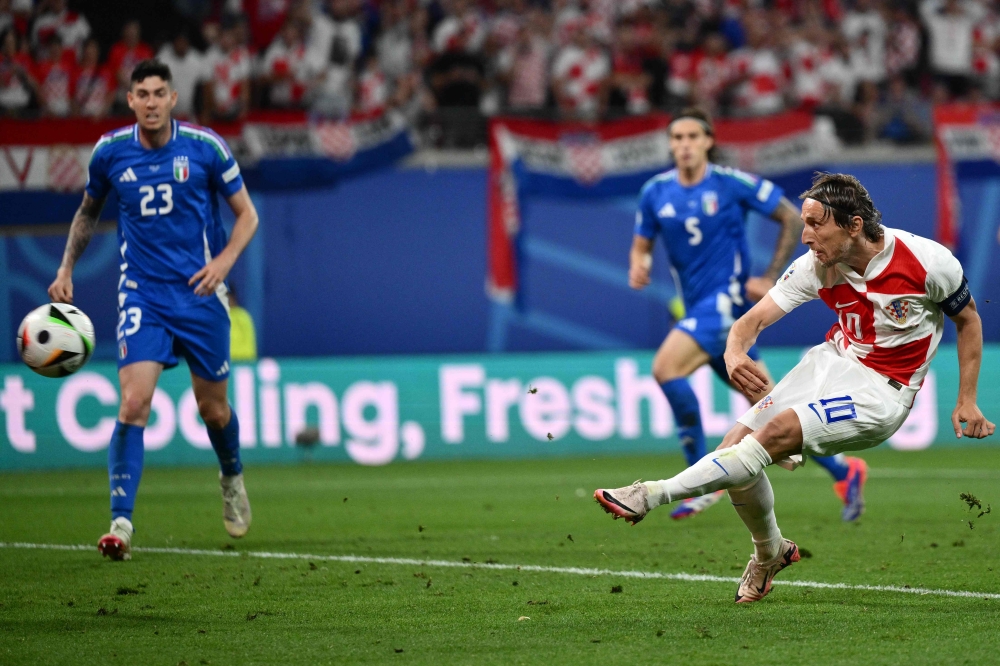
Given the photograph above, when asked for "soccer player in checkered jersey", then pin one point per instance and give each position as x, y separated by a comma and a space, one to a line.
891, 291
700, 210
172, 292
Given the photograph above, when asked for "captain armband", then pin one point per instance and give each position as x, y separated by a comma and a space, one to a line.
955, 303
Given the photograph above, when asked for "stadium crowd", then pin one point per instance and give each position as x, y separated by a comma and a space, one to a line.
875, 66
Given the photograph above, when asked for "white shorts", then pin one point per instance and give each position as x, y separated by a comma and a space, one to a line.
841, 405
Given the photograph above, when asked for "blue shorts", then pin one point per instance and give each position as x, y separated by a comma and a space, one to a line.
708, 321
160, 321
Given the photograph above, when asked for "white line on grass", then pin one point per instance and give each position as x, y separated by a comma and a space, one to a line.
576, 571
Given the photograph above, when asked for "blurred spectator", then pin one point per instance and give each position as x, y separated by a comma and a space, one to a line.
93, 83
395, 43
949, 26
54, 74
265, 19
807, 55
457, 72
700, 77
285, 69
629, 81
462, 29
16, 82
903, 45
335, 80
227, 79
372, 95
865, 30
580, 75
187, 67
903, 116
757, 71
125, 54
55, 19
523, 66
6, 17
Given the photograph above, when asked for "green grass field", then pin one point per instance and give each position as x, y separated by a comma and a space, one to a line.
64, 606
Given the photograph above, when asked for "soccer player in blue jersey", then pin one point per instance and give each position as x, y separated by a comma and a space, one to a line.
172, 291
700, 209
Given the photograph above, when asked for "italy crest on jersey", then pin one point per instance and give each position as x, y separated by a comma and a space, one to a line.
710, 203
182, 168
898, 310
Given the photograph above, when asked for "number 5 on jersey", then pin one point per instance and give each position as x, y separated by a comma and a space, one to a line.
691, 225
148, 194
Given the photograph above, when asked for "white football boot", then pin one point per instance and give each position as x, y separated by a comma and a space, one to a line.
628, 502
758, 576
117, 543
235, 505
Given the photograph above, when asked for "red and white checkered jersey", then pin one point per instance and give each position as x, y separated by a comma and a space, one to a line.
890, 319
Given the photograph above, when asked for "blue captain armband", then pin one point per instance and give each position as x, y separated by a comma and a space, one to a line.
955, 303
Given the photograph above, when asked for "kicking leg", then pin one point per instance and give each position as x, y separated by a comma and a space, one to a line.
125, 454
224, 433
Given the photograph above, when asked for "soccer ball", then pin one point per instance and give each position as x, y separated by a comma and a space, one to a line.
55, 340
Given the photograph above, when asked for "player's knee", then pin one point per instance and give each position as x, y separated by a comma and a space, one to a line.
781, 436
134, 408
215, 413
664, 370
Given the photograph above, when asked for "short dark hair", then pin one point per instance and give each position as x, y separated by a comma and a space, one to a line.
695, 113
843, 196
151, 67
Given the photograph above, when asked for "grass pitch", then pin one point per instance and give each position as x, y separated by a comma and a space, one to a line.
185, 608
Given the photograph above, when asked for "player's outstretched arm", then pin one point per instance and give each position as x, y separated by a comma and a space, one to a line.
746, 375
80, 231
787, 215
215, 272
970, 356
640, 261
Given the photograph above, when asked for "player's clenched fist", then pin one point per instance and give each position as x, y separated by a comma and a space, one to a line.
61, 289
746, 375
638, 271
976, 425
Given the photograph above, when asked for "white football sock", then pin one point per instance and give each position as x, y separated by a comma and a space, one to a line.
728, 468
754, 503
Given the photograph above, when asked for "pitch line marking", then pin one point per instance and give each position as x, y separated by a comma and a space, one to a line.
576, 571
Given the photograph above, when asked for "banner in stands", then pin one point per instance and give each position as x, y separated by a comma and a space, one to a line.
275, 151
374, 411
540, 158
963, 133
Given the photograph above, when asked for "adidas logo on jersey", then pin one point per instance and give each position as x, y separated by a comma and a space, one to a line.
667, 211
128, 176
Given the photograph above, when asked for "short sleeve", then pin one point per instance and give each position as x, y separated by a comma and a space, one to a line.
226, 172
647, 224
946, 284
799, 284
98, 184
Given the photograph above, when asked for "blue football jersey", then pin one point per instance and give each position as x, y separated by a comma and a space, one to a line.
704, 226
168, 211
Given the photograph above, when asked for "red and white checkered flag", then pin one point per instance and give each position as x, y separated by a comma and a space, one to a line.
336, 140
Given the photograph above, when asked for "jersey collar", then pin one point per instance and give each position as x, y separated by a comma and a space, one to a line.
173, 134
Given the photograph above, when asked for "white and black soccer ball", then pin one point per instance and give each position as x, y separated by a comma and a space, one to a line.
55, 340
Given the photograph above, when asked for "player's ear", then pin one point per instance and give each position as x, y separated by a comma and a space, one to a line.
173, 98
129, 99
857, 224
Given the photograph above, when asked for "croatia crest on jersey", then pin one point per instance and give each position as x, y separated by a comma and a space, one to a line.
762, 405
182, 168
710, 203
898, 310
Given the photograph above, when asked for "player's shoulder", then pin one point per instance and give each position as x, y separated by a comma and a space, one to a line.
927, 251
113, 140
659, 182
729, 175
204, 138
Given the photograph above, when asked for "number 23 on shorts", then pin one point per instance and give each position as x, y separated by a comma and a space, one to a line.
132, 316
